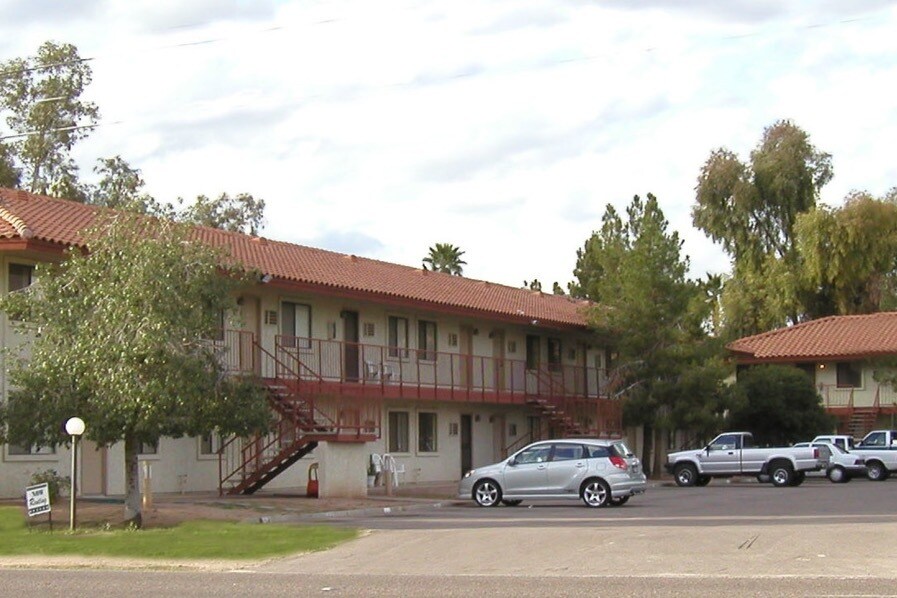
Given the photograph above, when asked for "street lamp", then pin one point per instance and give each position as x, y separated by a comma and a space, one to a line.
74, 427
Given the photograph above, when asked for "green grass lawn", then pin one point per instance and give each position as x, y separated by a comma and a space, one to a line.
193, 540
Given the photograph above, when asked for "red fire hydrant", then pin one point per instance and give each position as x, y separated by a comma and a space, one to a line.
312, 489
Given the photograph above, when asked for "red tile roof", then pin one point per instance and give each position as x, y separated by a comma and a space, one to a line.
831, 337
35, 217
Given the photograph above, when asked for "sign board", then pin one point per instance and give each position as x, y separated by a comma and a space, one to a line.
37, 499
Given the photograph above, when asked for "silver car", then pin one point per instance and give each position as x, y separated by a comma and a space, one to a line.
842, 465
600, 472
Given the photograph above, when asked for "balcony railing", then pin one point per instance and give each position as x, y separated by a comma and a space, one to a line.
419, 373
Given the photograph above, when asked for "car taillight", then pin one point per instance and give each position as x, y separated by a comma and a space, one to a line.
618, 462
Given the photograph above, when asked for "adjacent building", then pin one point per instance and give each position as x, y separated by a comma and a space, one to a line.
846, 356
359, 356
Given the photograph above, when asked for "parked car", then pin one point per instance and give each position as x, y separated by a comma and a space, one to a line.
600, 472
842, 440
879, 449
842, 465
734, 454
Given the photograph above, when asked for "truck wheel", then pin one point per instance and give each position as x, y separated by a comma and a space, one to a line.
837, 475
781, 474
798, 478
703, 480
686, 475
876, 471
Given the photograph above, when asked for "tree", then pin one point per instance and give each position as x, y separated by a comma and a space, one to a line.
239, 213
779, 404
445, 257
850, 253
752, 210
533, 285
121, 344
41, 95
121, 187
654, 316
10, 175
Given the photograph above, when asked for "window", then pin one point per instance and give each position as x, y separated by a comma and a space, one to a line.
209, 444
295, 325
149, 448
426, 432
554, 355
598, 451
849, 375
398, 431
533, 349
397, 337
18, 450
535, 454
567, 452
426, 340
727, 442
453, 429
20, 277
809, 369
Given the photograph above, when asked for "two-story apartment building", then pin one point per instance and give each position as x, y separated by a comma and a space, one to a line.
360, 357
842, 355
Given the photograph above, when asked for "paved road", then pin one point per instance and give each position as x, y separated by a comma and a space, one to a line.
816, 502
726, 539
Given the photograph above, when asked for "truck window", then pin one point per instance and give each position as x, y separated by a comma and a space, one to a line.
726, 442
875, 439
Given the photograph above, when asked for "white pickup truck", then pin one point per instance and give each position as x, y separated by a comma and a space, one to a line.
733, 454
879, 449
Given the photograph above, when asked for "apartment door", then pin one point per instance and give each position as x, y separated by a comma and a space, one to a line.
251, 316
498, 356
466, 443
350, 345
93, 469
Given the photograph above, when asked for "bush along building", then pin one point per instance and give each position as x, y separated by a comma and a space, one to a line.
358, 357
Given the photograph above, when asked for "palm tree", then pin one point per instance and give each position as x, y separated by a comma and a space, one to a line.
445, 257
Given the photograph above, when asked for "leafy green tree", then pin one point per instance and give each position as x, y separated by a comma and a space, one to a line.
121, 187
850, 253
10, 175
752, 210
121, 345
557, 289
41, 96
779, 404
239, 213
445, 257
653, 315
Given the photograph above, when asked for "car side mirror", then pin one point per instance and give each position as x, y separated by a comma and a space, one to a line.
512, 461
707, 449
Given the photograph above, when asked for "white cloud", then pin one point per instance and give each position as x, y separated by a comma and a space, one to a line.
383, 128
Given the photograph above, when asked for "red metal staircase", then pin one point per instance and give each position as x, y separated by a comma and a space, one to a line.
246, 464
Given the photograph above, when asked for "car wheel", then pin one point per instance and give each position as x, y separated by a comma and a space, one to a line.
837, 475
876, 471
511, 503
781, 474
798, 478
619, 502
595, 493
487, 493
703, 480
685, 474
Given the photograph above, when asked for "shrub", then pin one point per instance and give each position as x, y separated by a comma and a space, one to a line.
56, 484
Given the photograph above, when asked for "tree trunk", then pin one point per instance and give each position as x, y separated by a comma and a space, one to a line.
647, 449
133, 505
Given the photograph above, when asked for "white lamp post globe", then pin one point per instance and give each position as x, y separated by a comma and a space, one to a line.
74, 426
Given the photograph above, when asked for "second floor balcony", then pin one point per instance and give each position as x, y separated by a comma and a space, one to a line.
360, 369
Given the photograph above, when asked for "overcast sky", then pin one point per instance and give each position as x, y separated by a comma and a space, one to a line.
505, 128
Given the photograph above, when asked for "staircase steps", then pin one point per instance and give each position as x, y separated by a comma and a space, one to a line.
862, 420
